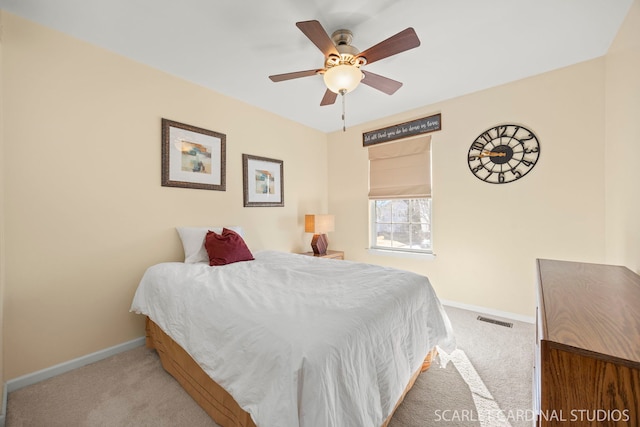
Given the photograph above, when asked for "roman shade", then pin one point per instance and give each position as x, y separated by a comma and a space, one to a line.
401, 169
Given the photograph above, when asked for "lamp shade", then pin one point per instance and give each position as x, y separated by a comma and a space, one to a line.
318, 224
342, 78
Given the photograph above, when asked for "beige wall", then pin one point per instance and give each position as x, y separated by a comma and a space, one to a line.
623, 144
2, 251
487, 237
85, 213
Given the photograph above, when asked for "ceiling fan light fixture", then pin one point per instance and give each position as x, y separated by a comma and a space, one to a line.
342, 78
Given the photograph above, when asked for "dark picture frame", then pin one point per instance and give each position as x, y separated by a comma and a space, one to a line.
193, 157
263, 181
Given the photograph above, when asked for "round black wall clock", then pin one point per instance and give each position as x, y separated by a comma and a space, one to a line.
503, 154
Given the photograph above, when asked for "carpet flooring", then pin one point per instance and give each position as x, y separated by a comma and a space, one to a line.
486, 382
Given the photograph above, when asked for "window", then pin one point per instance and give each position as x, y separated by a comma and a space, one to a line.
401, 224
400, 195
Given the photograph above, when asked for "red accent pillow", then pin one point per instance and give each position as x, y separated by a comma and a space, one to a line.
226, 248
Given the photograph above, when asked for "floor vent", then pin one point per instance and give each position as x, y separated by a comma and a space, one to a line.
496, 322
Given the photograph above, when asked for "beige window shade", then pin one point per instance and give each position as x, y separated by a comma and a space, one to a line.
400, 170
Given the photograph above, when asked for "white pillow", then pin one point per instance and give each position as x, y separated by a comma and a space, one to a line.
193, 241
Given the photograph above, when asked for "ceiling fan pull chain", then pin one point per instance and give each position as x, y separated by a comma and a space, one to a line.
344, 123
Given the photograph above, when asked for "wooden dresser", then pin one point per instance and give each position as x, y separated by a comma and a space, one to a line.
587, 364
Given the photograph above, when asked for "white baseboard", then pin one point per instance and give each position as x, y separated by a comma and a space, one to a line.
36, 377
3, 415
491, 311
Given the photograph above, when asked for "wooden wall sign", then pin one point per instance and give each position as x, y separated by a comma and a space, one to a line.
403, 130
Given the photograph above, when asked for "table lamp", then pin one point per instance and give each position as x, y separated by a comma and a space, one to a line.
319, 225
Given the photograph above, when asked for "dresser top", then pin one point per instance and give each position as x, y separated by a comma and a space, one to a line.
593, 307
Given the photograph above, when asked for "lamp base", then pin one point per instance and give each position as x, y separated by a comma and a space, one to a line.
319, 244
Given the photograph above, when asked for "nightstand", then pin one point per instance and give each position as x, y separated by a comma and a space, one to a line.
329, 254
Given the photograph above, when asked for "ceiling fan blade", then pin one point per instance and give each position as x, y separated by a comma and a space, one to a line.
328, 98
404, 40
294, 75
383, 84
314, 31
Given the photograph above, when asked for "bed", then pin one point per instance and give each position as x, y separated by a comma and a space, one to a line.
292, 340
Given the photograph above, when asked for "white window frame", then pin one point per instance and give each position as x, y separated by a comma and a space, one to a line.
402, 252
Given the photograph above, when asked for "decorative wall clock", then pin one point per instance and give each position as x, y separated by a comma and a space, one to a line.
503, 153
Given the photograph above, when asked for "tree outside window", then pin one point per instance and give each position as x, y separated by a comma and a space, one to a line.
402, 224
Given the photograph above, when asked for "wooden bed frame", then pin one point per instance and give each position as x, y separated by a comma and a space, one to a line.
207, 393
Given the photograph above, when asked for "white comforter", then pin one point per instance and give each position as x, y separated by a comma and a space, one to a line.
300, 341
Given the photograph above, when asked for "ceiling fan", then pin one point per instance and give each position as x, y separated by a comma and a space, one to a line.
342, 65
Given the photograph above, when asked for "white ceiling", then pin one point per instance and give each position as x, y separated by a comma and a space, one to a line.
232, 46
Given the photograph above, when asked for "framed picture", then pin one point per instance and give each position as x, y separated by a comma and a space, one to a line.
193, 157
263, 181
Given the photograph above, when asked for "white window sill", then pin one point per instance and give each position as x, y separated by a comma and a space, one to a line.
401, 254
